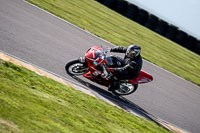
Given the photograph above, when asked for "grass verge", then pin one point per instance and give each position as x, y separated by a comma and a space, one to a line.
33, 103
107, 24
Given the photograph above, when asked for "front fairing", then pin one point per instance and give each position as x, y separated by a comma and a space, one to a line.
96, 58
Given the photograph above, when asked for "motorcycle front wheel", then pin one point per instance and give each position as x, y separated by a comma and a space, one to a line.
125, 89
76, 68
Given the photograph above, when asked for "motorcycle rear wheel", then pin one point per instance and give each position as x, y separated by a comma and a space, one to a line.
125, 89
76, 68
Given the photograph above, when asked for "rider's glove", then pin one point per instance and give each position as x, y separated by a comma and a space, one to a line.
108, 73
107, 76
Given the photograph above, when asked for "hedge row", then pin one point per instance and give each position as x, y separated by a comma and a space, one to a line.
154, 23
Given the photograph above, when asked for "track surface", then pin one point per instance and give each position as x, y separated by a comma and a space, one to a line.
46, 41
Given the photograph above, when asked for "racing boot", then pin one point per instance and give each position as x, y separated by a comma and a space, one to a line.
114, 85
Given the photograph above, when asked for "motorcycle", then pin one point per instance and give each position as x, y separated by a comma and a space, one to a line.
93, 66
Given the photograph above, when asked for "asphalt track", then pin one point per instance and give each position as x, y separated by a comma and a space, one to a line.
46, 41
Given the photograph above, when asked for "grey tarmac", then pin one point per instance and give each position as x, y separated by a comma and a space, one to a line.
42, 39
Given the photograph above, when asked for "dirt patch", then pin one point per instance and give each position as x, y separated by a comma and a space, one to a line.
8, 127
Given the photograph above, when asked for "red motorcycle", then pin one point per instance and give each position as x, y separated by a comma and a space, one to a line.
93, 66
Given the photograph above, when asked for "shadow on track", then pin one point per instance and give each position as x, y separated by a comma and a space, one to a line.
118, 100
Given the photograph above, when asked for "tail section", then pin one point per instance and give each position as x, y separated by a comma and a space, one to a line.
142, 78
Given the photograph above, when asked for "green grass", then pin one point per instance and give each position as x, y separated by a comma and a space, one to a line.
32, 103
107, 24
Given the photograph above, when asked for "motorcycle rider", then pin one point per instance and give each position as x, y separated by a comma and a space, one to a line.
132, 65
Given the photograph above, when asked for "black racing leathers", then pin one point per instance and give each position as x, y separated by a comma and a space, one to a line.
131, 66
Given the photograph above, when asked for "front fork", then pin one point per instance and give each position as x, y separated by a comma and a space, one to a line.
82, 59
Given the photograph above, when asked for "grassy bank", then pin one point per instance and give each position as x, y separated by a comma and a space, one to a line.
103, 22
32, 103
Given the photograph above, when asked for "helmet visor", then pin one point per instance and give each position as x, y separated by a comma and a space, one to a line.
132, 53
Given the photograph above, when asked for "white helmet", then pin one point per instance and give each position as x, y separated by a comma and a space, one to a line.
133, 51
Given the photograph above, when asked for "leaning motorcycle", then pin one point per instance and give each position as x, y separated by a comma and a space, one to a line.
93, 66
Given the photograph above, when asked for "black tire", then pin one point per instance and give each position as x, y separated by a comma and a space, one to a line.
197, 50
119, 92
131, 11
190, 43
142, 17
161, 27
151, 22
109, 3
76, 68
180, 37
121, 6
171, 32
100, 1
